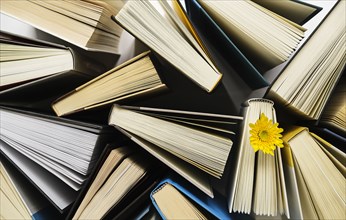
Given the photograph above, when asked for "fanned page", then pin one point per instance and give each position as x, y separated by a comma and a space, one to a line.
113, 160
125, 177
199, 146
60, 194
222, 48
296, 11
20, 62
33, 200
66, 151
334, 115
176, 12
84, 23
335, 155
308, 80
191, 173
264, 37
258, 183
328, 196
147, 21
172, 204
308, 210
135, 77
12, 204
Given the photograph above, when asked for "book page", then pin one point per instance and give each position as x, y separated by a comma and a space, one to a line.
58, 192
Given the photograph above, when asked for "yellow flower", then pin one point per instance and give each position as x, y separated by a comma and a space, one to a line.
265, 135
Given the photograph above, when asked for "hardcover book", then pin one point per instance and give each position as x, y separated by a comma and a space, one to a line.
86, 24
160, 25
257, 184
193, 144
309, 159
136, 77
307, 81
53, 149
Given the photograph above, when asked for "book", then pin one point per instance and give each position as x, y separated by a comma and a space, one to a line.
134, 200
58, 193
160, 25
121, 172
174, 198
19, 198
264, 37
66, 149
224, 48
257, 184
171, 204
137, 76
334, 114
307, 81
24, 59
294, 10
187, 142
330, 136
85, 23
308, 160
39, 94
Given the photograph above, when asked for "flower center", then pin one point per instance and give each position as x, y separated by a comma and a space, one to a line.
263, 135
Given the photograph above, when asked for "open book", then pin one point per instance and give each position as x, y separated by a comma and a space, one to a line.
174, 198
258, 184
315, 173
137, 76
19, 198
227, 50
264, 37
59, 151
172, 204
188, 142
24, 59
297, 11
307, 81
161, 26
121, 173
84, 23
334, 114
